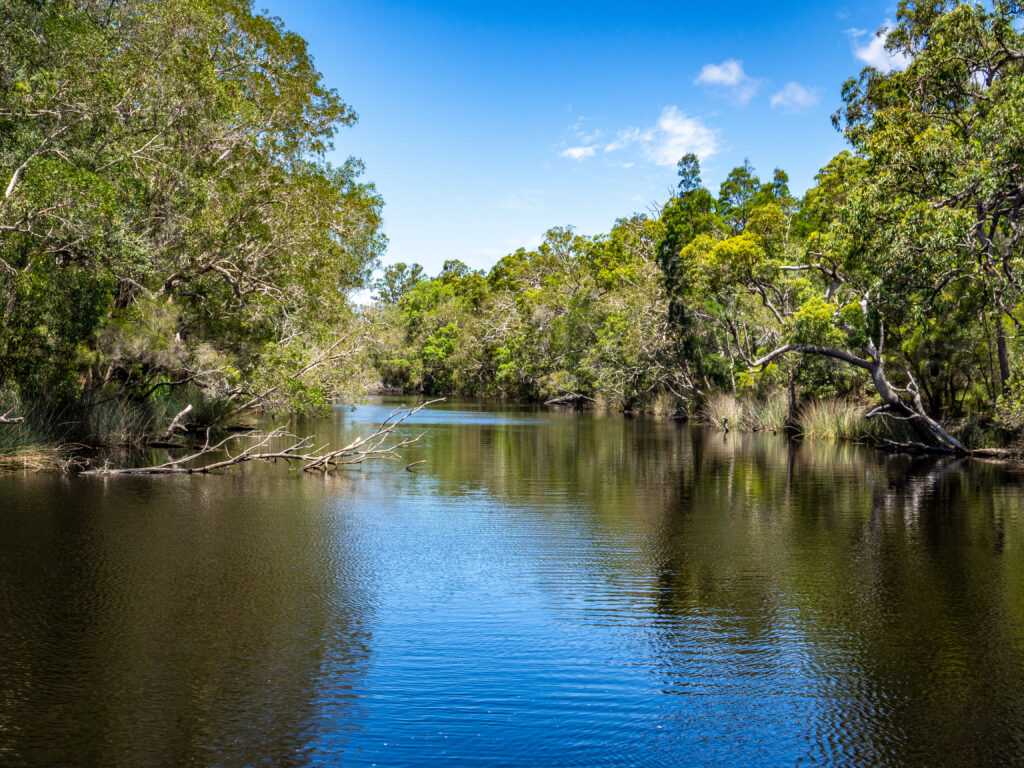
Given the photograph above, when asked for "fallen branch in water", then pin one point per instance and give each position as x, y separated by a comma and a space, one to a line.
374, 446
569, 398
8, 419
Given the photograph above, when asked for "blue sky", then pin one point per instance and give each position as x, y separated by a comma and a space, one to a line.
484, 124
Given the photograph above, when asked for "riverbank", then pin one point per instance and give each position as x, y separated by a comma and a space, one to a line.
45, 441
50, 437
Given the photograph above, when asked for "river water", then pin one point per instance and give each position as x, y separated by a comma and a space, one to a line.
545, 589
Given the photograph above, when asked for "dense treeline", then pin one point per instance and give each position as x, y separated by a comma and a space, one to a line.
170, 231
171, 235
897, 277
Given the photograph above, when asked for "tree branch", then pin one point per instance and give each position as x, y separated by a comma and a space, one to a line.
813, 349
374, 446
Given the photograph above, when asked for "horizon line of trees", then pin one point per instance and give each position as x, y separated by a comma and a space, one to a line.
898, 275
172, 234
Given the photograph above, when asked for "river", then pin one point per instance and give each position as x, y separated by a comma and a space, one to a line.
547, 588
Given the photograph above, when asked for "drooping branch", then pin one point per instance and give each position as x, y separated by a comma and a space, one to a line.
893, 405
813, 349
377, 445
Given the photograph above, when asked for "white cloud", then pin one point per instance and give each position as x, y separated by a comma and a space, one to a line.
794, 96
578, 153
673, 136
873, 52
729, 75
729, 72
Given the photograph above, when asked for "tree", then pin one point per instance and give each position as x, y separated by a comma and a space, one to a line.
737, 196
165, 161
931, 218
689, 173
948, 134
397, 281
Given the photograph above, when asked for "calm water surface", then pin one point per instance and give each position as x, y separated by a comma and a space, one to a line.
548, 589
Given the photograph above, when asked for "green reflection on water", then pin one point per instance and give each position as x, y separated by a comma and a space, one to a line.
870, 608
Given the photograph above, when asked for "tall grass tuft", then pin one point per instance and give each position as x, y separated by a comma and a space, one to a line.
770, 413
667, 405
722, 410
835, 419
117, 422
28, 444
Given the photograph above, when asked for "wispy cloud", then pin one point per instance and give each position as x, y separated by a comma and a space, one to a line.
522, 200
672, 136
794, 97
730, 78
872, 51
578, 153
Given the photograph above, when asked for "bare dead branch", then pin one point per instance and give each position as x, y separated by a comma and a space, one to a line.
176, 423
377, 445
8, 419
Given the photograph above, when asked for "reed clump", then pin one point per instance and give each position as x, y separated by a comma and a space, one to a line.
755, 415
834, 419
667, 405
25, 445
724, 411
45, 436
769, 414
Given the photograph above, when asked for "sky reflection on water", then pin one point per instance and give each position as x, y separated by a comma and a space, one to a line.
547, 588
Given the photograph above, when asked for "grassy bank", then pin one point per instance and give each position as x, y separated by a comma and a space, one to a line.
50, 436
839, 419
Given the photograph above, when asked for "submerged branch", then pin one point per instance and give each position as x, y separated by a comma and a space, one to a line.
374, 446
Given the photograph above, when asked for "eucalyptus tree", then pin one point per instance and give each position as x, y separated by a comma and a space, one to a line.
396, 282
945, 137
163, 169
930, 219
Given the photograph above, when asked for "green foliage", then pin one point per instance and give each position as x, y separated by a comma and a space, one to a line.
397, 281
1010, 405
577, 316
170, 229
167, 212
812, 323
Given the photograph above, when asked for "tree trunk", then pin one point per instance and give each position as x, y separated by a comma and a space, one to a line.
893, 404
1004, 356
791, 416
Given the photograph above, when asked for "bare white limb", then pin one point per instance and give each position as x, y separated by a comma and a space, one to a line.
377, 445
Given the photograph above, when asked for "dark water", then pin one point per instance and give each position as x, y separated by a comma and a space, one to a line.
548, 589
